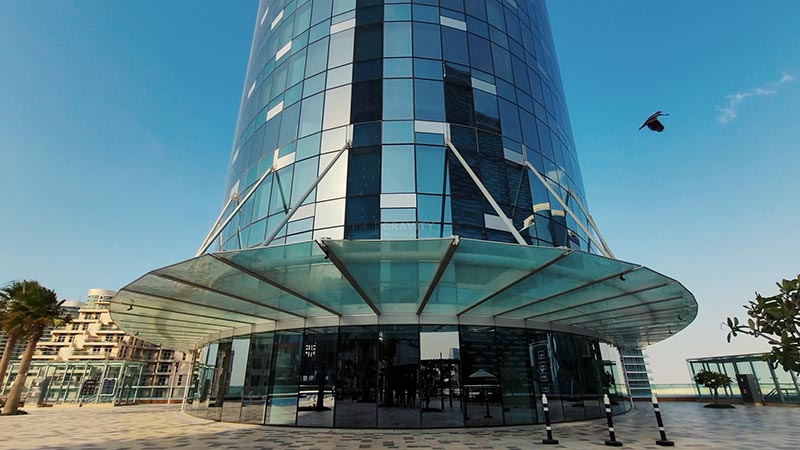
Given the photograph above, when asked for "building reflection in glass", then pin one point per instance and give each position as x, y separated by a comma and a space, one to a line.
405, 376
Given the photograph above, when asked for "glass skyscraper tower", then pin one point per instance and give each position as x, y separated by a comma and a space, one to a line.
388, 78
403, 240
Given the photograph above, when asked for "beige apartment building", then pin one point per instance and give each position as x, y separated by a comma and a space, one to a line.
86, 347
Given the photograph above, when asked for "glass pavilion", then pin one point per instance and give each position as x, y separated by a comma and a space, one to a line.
403, 241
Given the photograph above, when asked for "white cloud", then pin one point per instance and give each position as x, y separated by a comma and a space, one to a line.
730, 111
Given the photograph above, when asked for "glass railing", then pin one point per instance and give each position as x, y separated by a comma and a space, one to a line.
785, 393
674, 390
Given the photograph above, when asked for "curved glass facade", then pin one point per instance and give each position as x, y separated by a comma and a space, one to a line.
386, 154
387, 76
345, 118
404, 376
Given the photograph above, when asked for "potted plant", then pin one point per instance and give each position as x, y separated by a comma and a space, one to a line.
713, 381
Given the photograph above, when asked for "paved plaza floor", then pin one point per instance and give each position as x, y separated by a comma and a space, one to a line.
162, 427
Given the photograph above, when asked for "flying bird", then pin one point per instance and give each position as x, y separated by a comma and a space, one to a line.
653, 123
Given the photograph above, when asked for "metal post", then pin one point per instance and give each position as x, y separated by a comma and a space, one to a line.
125, 389
549, 440
172, 382
138, 382
265, 397
83, 380
67, 378
794, 381
612, 436
775, 382
189, 377
46, 392
488, 415
102, 380
625, 377
664, 442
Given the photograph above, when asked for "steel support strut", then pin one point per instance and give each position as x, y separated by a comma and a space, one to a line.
484, 191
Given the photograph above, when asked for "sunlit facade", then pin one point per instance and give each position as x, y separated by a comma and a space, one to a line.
403, 241
389, 77
81, 350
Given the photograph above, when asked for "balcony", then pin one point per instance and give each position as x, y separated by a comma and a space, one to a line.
108, 330
99, 343
53, 344
45, 354
83, 354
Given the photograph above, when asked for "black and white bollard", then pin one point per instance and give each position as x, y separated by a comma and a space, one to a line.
664, 442
547, 426
612, 436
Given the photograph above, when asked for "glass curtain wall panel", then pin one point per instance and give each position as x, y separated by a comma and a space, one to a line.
256, 387
441, 393
480, 376
315, 402
545, 373
567, 362
592, 376
357, 377
519, 400
612, 381
207, 379
219, 384
398, 372
234, 390
283, 394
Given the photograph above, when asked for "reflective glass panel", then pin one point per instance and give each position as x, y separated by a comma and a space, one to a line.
396, 39
519, 401
219, 382
394, 275
337, 107
429, 100
440, 377
397, 168
356, 379
398, 368
315, 401
426, 41
341, 50
283, 395
234, 391
545, 373
430, 169
256, 387
311, 115
480, 379
398, 99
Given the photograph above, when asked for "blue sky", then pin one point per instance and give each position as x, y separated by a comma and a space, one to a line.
712, 204
116, 123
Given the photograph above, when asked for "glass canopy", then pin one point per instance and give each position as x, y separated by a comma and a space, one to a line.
420, 280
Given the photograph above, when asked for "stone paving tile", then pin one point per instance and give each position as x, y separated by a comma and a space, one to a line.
160, 427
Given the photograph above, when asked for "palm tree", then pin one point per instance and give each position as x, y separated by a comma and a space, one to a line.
37, 308
10, 324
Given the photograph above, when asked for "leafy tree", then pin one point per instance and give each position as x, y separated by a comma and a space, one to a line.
11, 324
713, 381
777, 320
36, 309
